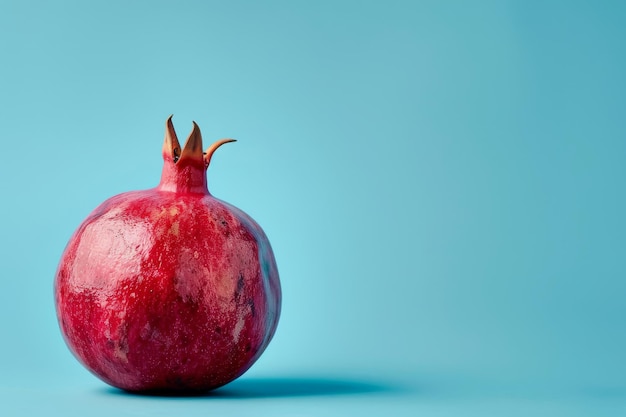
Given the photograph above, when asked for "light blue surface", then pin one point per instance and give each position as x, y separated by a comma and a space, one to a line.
443, 184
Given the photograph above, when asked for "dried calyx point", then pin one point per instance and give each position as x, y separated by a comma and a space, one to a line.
193, 146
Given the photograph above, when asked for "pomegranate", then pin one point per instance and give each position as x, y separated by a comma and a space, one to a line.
169, 289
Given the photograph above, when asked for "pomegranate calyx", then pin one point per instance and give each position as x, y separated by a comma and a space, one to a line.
209, 151
171, 146
193, 145
185, 170
192, 152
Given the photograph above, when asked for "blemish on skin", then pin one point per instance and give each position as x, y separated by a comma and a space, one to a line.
239, 288
121, 351
224, 226
196, 255
225, 289
238, 327
157, 213
250, 303
107, 328
145, 331
148, 332
174, 229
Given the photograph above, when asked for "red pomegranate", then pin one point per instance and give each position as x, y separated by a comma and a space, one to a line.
169, 289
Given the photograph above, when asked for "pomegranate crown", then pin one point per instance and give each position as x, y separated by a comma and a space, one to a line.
185, 170
192, 151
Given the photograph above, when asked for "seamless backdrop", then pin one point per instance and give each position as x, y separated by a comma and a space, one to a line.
442, 183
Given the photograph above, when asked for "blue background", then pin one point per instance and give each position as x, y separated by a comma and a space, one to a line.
442, 183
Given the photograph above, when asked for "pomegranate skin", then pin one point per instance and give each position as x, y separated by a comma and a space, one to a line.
168, 289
